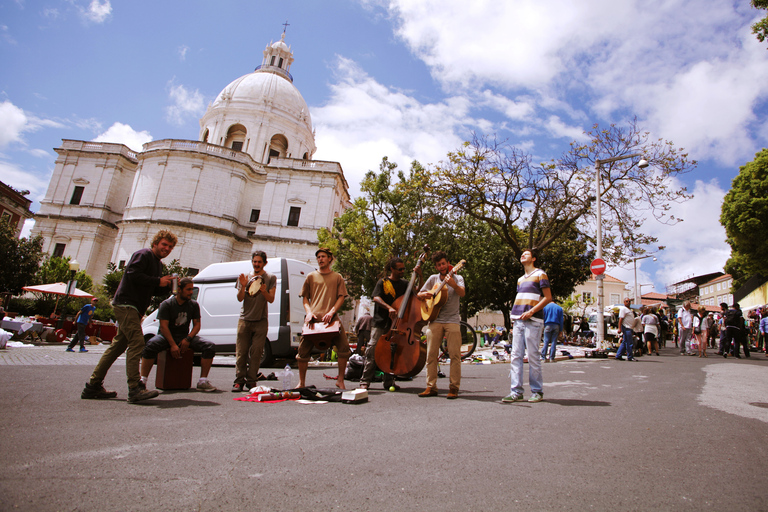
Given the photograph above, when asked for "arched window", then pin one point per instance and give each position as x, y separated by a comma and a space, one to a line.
236, 137
278, 147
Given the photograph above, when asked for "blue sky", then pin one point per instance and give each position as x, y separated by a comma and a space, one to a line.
405, 79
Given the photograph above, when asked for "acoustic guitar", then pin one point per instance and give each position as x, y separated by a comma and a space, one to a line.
430, 307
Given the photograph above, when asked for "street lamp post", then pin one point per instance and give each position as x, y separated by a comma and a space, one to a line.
634, 262
600, 290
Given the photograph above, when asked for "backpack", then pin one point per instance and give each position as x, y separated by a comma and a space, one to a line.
733, 318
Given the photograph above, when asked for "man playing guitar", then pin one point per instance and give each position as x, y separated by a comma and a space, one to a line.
445, 324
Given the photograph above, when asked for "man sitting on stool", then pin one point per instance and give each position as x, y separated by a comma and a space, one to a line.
175, 314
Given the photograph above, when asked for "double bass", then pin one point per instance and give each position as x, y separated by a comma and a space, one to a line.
401, 351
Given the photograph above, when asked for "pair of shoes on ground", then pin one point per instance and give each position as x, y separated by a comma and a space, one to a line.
238, 387
515, 397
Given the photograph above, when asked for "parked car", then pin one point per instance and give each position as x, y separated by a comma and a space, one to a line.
219, 309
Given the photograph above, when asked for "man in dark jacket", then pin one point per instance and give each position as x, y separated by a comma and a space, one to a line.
141, 280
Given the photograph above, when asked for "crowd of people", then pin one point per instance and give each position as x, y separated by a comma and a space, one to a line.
535, 318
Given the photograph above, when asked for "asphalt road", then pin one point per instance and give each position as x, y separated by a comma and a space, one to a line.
664, 433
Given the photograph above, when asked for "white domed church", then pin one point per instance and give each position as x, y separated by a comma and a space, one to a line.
248, 183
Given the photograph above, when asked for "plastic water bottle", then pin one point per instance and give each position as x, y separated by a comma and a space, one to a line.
287, 377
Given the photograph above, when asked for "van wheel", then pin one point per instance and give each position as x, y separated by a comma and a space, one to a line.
267, 360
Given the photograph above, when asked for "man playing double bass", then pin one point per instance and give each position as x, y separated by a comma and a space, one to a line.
386, 291
446, 324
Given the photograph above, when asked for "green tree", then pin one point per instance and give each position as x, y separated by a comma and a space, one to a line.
111, 280
21, 259
760, 28
56, 270
397, 215
173, 267
533, 205
743, 215
394, 217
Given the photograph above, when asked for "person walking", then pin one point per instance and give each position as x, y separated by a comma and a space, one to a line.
627, 324
553, 326
141, 280
82, 320
651, 329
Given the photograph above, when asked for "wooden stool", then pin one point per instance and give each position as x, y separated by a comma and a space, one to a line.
174, 373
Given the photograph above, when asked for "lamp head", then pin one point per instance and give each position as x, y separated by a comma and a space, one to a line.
643, 163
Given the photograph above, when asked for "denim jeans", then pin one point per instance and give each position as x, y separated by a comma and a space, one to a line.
627, 343
526, 337
551, 331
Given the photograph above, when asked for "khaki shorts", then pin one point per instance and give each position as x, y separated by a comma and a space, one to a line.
341, 344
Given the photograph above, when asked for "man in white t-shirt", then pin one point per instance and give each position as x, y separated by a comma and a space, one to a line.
627, 324
685, 327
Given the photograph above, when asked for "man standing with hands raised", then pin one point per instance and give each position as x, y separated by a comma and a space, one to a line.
254, 290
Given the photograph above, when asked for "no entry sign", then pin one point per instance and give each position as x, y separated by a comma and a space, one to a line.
597, 267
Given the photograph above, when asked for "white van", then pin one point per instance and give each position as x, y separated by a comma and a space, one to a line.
219, 309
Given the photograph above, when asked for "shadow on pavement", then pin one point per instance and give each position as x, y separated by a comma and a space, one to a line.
176, 403
576, 402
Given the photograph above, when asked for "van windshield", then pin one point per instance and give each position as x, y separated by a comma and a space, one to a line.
195, 292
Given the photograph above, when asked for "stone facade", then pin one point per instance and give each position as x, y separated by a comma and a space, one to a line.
249, 183
14, 207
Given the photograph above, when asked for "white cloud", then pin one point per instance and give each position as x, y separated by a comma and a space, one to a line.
365, 121
13, 121
186, 104
691, 69
695, 246
97, 12
12, 175
183, 49
124, 134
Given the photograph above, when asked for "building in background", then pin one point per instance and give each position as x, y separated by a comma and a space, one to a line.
248, 182
14, 206
585, 294
716, 291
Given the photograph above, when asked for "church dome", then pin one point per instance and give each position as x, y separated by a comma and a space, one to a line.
262, 113
263, 88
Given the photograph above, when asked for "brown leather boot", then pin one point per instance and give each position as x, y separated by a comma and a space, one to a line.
429, 392
452, 393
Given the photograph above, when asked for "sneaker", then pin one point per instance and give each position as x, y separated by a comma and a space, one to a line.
83, 349
514, 397
204, 385
69, 350
538, 397
137, 394
96, 391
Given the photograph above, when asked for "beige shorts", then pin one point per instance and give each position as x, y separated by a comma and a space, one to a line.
341, 344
